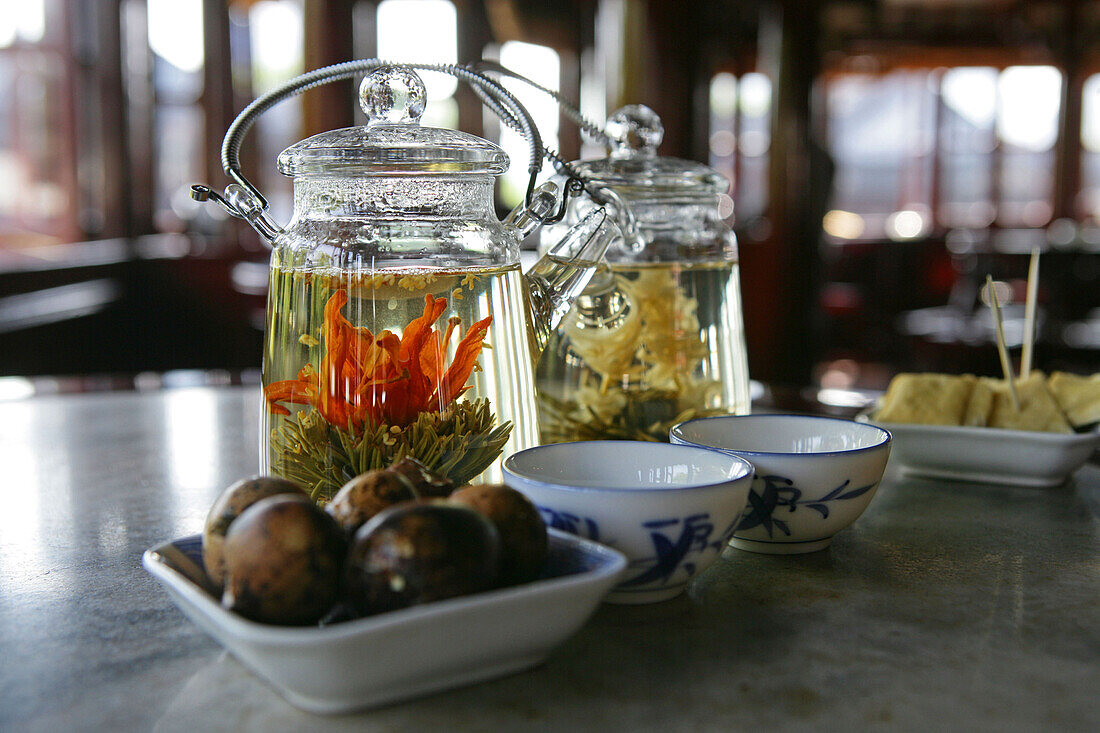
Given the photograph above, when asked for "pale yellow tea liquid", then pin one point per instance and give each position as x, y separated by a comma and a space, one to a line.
646, 346
306, 446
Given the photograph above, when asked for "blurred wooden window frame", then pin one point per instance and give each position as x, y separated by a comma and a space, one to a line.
1065, 171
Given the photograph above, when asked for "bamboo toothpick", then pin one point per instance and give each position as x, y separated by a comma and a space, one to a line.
1029, 314
1002, 350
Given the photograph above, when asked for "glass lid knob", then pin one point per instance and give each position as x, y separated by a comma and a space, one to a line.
393, 95
635, 132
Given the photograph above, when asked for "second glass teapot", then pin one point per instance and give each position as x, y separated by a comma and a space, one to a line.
398, 323
657, 337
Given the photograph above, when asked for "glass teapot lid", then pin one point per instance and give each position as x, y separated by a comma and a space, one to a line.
636, 171
393, 142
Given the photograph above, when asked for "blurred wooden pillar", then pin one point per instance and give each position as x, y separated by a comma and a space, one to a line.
329, 39
583, 40
135, 69
657, 66
474, 34
217, 83
633, 30
669, 61
104, 76
784, 270
1069, 47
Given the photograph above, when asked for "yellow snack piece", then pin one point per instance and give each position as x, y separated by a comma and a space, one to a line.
1078, 396
1038, 409
926, 399
980, 404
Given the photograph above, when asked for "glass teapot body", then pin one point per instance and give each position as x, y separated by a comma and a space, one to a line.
397, 318
658, 336
395, 326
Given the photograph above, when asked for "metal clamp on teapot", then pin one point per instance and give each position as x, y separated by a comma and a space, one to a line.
398, 322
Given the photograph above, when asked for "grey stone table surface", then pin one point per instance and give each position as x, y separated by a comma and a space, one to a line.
947, 605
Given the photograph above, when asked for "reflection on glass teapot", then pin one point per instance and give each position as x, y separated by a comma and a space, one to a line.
398, 323
657, 337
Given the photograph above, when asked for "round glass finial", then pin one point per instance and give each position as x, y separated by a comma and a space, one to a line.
393, 95
635, 132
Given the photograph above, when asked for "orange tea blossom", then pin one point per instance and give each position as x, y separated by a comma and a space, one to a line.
370, 379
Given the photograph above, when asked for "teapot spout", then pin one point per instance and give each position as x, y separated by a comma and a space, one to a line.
556, 280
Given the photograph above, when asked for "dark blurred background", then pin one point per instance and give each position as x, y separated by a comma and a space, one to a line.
884, 156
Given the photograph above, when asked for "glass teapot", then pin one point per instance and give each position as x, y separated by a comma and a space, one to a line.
398, 322
657, 336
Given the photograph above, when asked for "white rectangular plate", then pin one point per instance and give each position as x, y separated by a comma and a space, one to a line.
395, 656
989, 455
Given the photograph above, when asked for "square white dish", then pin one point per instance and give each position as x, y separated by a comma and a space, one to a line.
395, 656
988, 455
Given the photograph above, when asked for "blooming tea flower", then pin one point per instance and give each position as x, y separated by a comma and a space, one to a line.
367, 378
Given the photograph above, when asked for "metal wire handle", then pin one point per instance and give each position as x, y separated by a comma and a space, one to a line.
571, 110
492, 93
575, 181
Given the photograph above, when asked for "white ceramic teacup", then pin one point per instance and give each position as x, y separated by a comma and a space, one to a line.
671, 509
814, 475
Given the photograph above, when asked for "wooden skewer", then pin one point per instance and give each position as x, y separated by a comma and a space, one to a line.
1002, 350
1029, 314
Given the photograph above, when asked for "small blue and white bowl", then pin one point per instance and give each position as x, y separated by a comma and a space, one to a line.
814, 475
671, 509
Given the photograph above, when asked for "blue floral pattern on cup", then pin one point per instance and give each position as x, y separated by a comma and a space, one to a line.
670, 546
571, 523
780, 491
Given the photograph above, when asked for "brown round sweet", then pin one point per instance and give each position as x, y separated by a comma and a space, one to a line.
420, 552
425, 483
366, 495
227, 507
283, 562
522, 530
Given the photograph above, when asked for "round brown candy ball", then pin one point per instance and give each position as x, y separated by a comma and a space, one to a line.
420, 552
283, 562
522, 530
365, 496
227, 507
425, 483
